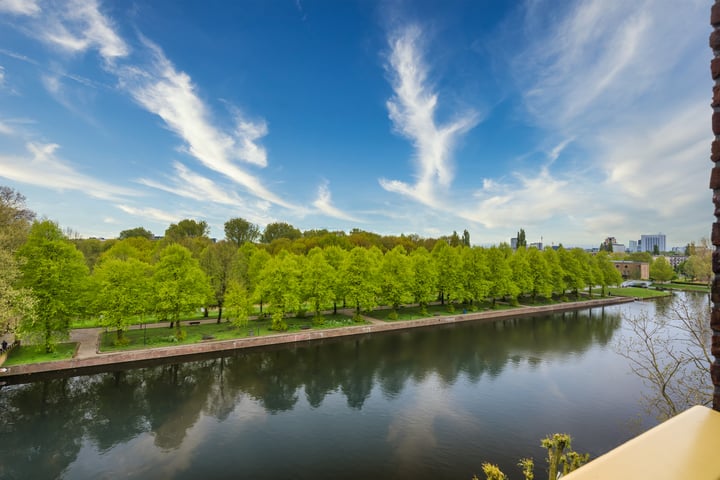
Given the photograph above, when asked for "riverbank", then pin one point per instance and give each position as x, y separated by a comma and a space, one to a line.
91, 361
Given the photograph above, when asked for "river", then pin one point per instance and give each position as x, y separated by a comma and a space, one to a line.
424, 404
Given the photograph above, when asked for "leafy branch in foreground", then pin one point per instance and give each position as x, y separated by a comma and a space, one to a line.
561, 460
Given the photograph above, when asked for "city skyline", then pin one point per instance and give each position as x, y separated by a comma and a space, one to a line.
574, 120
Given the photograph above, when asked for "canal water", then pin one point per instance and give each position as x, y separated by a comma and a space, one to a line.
425, 404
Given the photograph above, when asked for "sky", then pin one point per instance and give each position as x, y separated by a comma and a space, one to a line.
574, 120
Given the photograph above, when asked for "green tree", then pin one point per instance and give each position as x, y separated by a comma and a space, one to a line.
274, 231
238, 230
395, 278
661, 270
466, 238
424, 277
139, 248
359, 279
540, 274
122, 290
656, 250
318, 282
237, 304
521, 274
573, 270
279, 286
501, 282
218, 261
475, 274
180, 285
15, 219
136, 232
521, 240
191, 234
335, 257
610, 274
56, 273
556, 271
449, 279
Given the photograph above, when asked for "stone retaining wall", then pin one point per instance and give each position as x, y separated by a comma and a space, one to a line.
122, 360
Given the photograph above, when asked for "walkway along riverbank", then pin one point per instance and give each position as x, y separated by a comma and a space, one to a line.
91, 361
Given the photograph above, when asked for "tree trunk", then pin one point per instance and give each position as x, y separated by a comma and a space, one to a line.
219, 319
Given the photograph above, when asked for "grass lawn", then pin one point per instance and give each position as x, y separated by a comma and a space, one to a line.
36, 354
165, 337
700, 287
433, 310
638, 292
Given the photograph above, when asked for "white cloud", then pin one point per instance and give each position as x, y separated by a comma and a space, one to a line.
43, 168
20, 7
192, 185
80, 26
323, 203
412, 110
151, 213
171, 95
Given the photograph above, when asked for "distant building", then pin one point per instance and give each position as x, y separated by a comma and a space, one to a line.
513, 243
633, 246
618, 248
676, 260
633, 270
649, 242
537, 245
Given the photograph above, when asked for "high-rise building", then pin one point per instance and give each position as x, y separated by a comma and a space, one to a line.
649, 242
633, 246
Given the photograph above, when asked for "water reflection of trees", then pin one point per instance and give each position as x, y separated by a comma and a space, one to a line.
44, 424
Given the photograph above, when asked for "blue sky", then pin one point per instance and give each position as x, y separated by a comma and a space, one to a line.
575, 120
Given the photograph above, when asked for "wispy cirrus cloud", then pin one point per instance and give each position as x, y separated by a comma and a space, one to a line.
412, 110
78, 26
151, 213
20, 7
633, 119
171, 94
152, 80
56, 173
323, 203
189, 184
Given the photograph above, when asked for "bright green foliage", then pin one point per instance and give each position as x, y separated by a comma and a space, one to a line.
279, 285
335, 257
449, 279
395, 278
661, 270
277, 230
218, 262
492, 472
180, 285
237, 304
318, 281
610, 274
541, 280
521, 275
424, 277
56, 273
15, 219
475, 273
15, 303
588, 266
238, 231
359, 277
139, 248
191, 234
573, 273
501, 282
561, 459
123, 289
556, 272
136, 232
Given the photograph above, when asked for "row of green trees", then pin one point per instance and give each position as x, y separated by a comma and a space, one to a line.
137, 276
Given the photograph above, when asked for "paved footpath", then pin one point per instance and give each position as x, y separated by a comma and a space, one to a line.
89, 360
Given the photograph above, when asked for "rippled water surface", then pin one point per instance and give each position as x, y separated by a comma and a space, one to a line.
424, 404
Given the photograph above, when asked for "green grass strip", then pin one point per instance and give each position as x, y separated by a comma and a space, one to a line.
25, 354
